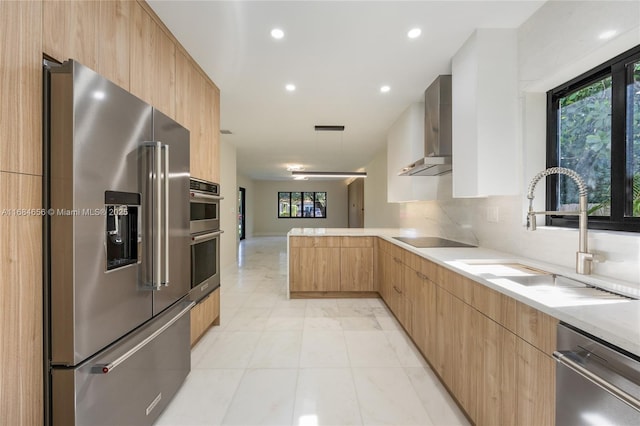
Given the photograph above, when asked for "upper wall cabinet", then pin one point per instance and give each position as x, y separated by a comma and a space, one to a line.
21, 88
153, 62
69, 30
405, 143
485, 115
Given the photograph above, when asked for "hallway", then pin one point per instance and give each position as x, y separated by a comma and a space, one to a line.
274, 361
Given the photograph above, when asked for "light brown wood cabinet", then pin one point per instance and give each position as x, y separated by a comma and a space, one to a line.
152, 62
70, 30
470, 335
356, 264
21, 87
314, 264
331, 265
496, 373
205, 314
535, 386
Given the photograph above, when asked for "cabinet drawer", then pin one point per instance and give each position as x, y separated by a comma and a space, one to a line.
456, 284
313, 242
356, 241
537, 328
495, 305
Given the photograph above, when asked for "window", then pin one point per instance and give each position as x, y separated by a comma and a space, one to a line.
594, 129
302, 204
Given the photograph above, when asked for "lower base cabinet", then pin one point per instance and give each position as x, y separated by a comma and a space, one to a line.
536, 386
205, 314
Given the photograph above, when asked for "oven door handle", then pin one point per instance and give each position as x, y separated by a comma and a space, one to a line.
196, 196
195, 239
564, 359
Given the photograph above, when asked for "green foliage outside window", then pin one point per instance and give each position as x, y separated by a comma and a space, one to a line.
584, 135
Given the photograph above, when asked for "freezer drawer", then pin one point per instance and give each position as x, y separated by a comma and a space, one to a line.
131, 383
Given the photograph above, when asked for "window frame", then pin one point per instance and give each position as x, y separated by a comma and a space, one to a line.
621, 192
302, 204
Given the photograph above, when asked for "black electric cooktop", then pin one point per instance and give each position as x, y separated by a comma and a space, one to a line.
431, 242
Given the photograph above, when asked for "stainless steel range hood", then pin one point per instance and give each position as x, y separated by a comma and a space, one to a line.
437, 131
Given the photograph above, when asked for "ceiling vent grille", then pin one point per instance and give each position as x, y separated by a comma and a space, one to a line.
332, 128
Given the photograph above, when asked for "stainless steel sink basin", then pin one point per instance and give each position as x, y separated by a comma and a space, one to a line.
538, 281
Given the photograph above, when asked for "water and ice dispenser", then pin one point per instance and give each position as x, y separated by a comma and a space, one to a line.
123, 228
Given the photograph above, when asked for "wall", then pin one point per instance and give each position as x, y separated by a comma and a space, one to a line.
228, 206
265, 209
554, 46
249, 185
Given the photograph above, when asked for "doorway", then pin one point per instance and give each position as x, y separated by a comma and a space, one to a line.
356, 203
241, 212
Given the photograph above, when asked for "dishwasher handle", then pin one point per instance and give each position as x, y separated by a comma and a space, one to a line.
563, 358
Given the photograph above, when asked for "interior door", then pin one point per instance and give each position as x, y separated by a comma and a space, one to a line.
356, 203
241, 212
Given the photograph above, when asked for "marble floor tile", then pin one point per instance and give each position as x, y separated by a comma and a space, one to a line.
389, 323
277, 349
386, 397
264, 397
332, 303
439, 405
405, 350
249, 319
370, 349
359, 323
355, 311
321, 348
344, 303
203, 399
284, 323
322, 323
326, 397
322, 311
288, 312
230, 350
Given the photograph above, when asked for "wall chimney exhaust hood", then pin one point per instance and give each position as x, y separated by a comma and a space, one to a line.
437, 131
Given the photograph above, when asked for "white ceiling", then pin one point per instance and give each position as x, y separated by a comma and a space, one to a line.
338, 54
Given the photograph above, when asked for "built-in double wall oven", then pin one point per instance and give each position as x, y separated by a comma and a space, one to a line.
205, 237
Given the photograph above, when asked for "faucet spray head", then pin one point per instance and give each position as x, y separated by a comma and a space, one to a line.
531, 217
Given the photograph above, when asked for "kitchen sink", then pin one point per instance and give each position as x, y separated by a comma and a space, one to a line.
537, 281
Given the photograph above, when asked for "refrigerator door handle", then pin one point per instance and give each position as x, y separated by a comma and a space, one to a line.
153, 205
157, 208
165, 198
110, 366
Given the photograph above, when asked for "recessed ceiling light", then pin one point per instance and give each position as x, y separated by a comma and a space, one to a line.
290, 87
385, 89
277, 33
607, 34
300, 178
295, 168
414, 33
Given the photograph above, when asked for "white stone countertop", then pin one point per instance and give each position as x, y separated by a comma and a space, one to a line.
613, 320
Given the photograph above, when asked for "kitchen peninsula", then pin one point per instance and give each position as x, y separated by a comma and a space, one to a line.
476, 325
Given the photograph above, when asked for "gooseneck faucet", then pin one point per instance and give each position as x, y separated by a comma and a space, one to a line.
584, 259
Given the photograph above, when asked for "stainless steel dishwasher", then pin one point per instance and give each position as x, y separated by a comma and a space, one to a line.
596, 383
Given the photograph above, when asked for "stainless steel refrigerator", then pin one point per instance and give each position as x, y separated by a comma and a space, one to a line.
118, 252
